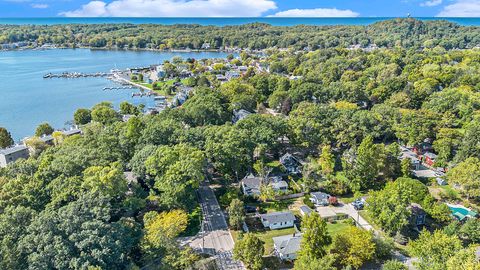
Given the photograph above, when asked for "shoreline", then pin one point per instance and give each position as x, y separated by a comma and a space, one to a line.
40, 48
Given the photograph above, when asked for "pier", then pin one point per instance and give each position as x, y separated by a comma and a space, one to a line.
71, 75
117, 87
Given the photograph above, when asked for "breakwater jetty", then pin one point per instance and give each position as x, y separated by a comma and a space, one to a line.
76, 75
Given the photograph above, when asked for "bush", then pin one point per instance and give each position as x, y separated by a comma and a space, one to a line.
394, 265
307, 202
383, 248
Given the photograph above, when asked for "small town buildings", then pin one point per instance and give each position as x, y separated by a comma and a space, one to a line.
319, 198
239, 115
291, 164
305, 210
11, 154
278, 220
286, 247
418, 215
422, 148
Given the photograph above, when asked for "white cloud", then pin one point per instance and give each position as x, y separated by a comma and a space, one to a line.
461, 8
317, 12
173, 8
40, 6
431, 3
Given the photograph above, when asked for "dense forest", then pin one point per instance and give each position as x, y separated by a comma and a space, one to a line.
70, 206
409, 33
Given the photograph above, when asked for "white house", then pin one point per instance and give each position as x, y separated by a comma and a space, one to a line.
319, 198
287, 246
11, 154
278, 220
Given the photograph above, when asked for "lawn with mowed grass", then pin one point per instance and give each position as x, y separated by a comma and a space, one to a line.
267, 236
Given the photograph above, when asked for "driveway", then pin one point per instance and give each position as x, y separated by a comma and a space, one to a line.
214, 238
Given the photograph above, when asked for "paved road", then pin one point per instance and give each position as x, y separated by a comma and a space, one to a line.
215, 238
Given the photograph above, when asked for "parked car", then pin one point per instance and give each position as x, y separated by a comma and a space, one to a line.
250, 209
358, 204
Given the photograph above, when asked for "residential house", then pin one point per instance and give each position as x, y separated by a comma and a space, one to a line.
305, 210
430, 158
278, 220
291, 164
71, 132
417, 215
286, 246
221, 78
11, 154
48, 139
239, 115
232, 75
441, 181
422, 148
279, 185
251, 185
319, 198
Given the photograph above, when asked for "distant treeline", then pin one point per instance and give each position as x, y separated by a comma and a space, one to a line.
409, 33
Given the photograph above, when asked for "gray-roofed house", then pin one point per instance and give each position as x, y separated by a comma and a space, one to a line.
239, 115
291, 163
287, 246
11, 154
251, 185
279, 186
305, 210
278, 220
319, 198
72, 132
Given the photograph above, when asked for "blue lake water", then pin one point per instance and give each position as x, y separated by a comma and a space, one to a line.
224, 21
26, 99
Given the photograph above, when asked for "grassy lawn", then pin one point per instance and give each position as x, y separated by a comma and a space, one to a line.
274, 206
348, 198
450, 192
336, 228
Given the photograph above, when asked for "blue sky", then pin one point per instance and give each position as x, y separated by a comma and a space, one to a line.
239, 8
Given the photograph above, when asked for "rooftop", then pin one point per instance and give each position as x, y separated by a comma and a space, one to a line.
278, 217
287, 244
13, 149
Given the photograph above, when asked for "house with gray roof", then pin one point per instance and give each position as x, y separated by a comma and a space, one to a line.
291, 164
11, 154
251, 185
71, 132
278, 220
287, 246
305, 210
319, 198
239, 115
